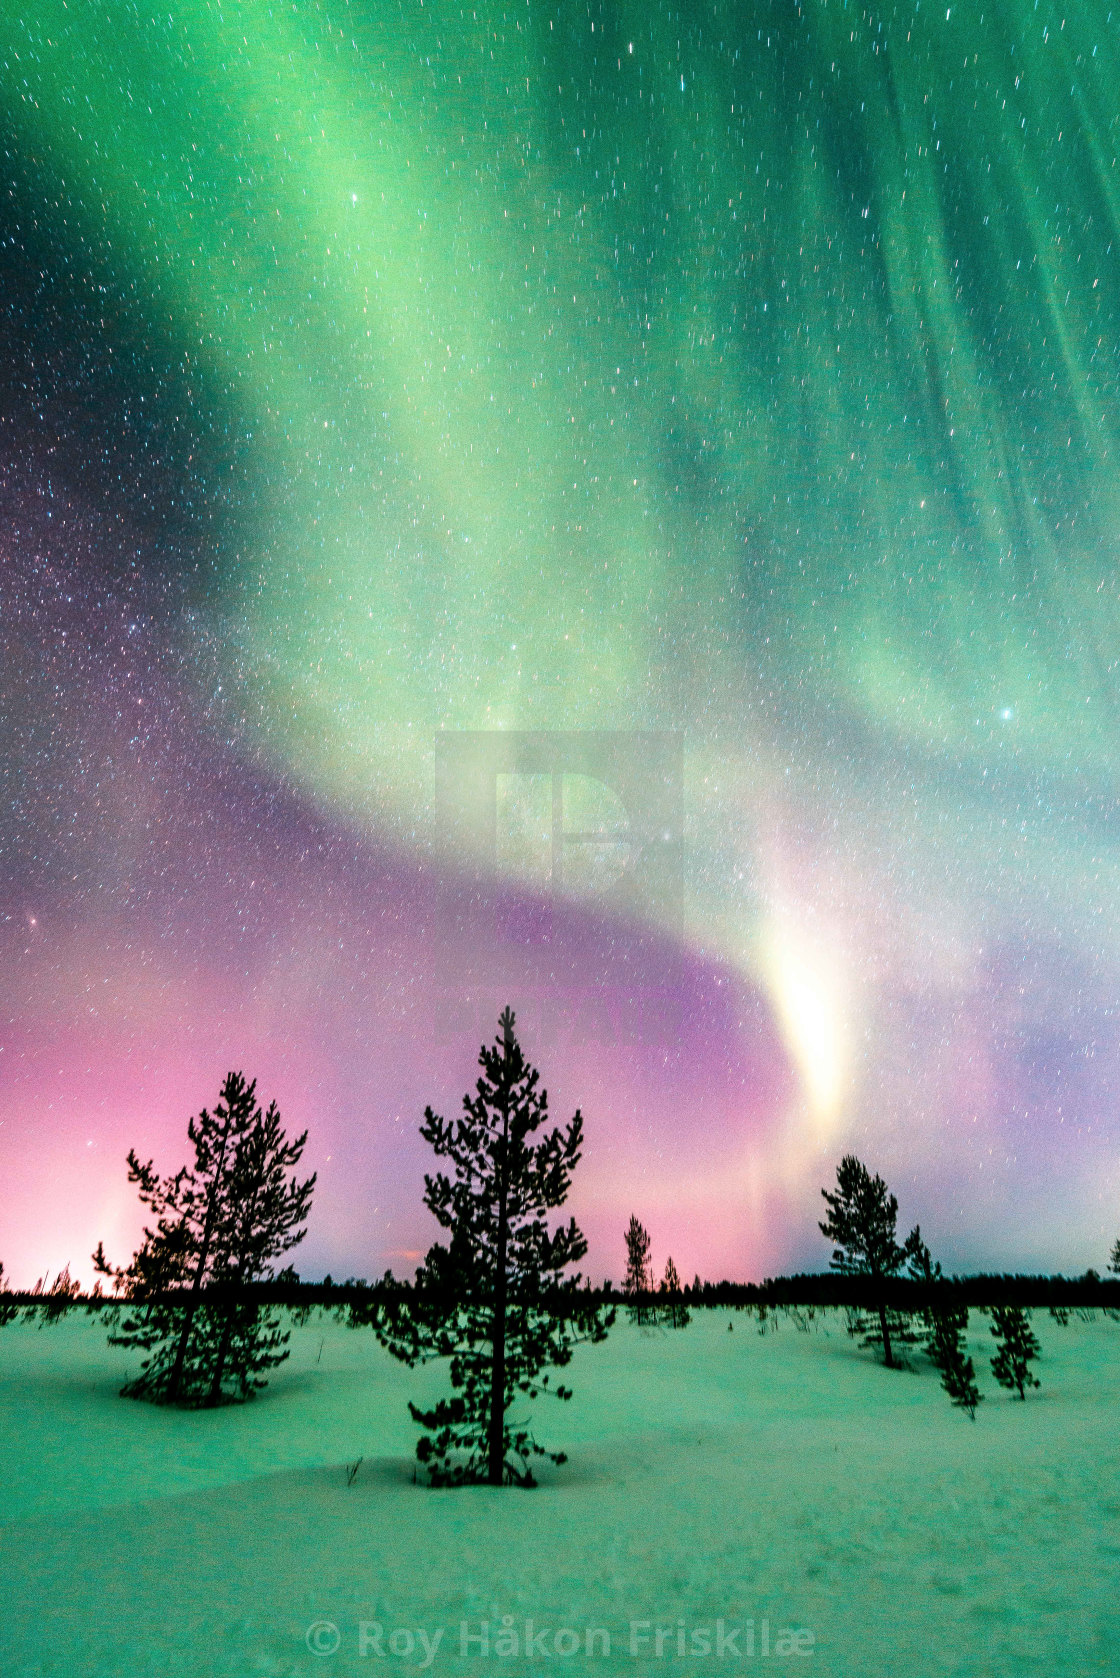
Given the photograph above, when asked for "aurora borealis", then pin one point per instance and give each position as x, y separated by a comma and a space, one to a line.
742, 373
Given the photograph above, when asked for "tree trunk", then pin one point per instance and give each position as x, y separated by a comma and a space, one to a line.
176, 1380
888, 1355
496, 1455
214, 1396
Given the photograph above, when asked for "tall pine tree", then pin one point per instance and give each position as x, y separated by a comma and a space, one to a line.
495, 1300
1016, 1349
862, 1220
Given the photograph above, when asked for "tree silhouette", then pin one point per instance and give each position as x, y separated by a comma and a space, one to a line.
862, 1219
217, 1226
945, 1327
494, 1300
638, 1282
53, 1302
1017, 1348
945, 1345
674, 1311
7, 1309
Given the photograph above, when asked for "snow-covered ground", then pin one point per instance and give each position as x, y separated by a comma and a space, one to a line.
782, 1484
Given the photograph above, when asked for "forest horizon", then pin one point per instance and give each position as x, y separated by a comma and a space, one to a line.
610, 511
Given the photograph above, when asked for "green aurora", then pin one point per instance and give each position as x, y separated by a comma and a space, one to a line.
587, 343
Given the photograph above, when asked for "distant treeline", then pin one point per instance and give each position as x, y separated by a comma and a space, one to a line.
904, 1294
824, 1288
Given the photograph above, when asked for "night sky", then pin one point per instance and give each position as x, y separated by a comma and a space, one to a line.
740, 380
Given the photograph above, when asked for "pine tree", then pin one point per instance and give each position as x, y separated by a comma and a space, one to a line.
266, 1217
920, 1262
947, 1349
638, 1282
945, 1345
1114, 1259
674, 1311
862, 1219
53, 1302
494, 1300
218, 1225
945, 1328
1017, 1349
7, 1309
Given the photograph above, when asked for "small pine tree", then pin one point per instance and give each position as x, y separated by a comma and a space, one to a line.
53, 1302
945, 1345
862, 1220
7, 1309
1017, 1349
1114, 1259
920, 1262
495, 1300
638, 1282
218, 1225
674, 1310
945, 1328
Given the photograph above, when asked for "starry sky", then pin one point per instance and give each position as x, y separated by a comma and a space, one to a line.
727, 394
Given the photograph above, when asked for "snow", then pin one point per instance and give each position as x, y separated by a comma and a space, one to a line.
782, 1478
